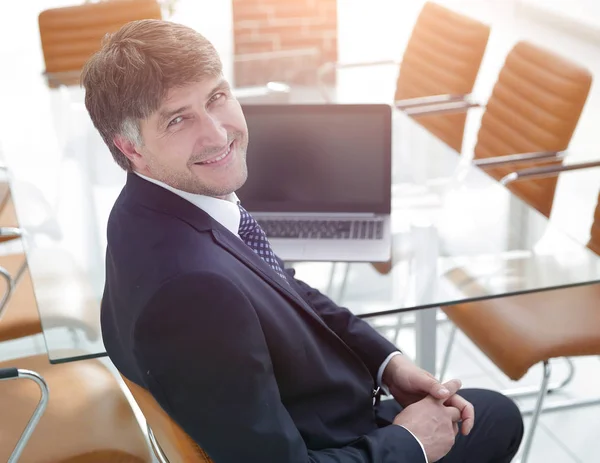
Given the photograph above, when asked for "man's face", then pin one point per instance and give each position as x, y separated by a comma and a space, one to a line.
196, 141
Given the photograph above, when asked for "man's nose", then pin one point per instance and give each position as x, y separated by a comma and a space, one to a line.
212, 132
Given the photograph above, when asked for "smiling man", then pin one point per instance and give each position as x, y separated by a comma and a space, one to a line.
255, 365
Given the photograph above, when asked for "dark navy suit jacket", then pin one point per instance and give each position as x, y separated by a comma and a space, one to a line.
254, 369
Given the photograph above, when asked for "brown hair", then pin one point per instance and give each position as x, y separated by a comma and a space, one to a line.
129, 77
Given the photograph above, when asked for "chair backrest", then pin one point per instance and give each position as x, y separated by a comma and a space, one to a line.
443, 56
70, 35
594, 242
174, 442
535, 106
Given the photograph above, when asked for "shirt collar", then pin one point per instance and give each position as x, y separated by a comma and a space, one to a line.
224, 211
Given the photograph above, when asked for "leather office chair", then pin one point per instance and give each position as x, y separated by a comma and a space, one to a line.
87, 419
7, 217
529, 118
528, 121
518, 332
19, 316
440, 64
534, 107
18, 313
70, 35
170, 443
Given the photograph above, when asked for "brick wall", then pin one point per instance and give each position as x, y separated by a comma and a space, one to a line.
282, 40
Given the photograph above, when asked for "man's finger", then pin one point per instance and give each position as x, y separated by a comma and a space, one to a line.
467, 412
446, 390
455, 427
426, 383
453, 413
467, 424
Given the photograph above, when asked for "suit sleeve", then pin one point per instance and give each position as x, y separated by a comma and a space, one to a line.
363, 339
202, 352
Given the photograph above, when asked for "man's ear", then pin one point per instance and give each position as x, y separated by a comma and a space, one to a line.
128, 148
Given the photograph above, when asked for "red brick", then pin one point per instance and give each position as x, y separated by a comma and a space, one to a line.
319, 30
296, 31
256, 45
251, 12
292, 43
268, 25
320, 21
287, 13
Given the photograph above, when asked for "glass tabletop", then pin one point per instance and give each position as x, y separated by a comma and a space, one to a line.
458, 234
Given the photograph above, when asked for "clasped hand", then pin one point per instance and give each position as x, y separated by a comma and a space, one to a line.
432, 411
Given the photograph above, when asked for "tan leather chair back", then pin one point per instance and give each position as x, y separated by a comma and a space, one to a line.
174, 442
8, 215
594, 242
535, 106
442, 56
70, 35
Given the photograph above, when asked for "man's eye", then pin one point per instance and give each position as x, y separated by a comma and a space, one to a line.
215, 97
175, 121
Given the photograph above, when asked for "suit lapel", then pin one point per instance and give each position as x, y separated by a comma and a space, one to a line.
241, 251
164, 201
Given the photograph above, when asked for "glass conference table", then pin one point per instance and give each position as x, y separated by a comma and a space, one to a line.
458, 236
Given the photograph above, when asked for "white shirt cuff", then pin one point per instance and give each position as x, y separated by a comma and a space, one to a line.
421, 445
382, 369
383, 386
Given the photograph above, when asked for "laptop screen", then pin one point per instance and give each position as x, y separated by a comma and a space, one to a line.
318, 158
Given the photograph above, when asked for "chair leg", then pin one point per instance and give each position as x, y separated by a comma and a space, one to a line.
21, 271
447, 352
331, 278
537, 411
528, 391
14, 373
158, 452
398, 328
344, 283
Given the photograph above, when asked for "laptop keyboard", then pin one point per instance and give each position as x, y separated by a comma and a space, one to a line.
324, 229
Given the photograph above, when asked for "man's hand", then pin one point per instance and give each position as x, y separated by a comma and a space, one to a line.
433, 423
409, 384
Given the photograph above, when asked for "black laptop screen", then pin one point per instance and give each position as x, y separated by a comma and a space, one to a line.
318, 158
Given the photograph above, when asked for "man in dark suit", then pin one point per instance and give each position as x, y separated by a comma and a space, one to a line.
255, 365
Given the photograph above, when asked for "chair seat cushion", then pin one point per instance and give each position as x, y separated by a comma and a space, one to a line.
87, 419
519, 331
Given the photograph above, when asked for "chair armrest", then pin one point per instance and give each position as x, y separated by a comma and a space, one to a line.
9, 234
10, 286
543, 172
449, 107
14, 373
331, 66
497, 161
430, 100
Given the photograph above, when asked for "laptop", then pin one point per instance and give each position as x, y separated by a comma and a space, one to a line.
319, 179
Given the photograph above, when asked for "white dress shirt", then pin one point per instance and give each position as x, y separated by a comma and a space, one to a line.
227, 213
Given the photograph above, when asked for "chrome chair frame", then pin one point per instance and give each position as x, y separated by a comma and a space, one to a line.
15, 373
156, 449
408, 105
